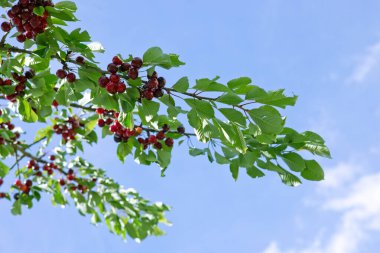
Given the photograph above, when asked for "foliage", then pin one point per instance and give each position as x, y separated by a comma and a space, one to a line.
239, 121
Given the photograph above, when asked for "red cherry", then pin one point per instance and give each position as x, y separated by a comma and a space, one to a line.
160, 135
181, 130
101, 123
103, 81
52, 157
62, 182
121, 88
161, 82
80, 60
29, 183
70, 177
55, 103
137, 62
61, 74
21, 38
29, 35
112, 68
6, 26
152, 139
148, 94
125, 67
71, 77
24, 188
1, 181
114, 78
17, 21
109, 121
133, 73
18, 183
158, 145
111, 87
116, 60
152, 83
100, 110
113, 128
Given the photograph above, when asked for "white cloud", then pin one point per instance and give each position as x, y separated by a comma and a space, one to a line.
339, 176
367, 64
358, 207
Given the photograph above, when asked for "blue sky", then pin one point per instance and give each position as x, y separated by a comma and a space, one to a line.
327, 52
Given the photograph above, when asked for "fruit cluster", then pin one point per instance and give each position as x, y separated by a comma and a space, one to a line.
48, 167
106, 117
20, 84
67, 129
62, 74
153, 87
121, 133
28, 24
8, 126
158, 139
112, 81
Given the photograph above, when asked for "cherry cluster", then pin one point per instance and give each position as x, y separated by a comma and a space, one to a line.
123, 134
158, 139
28, 24
48, 167
20, 81
153, 87
8, 126
67, 129
70, 177
106, 117
113, 82
62, 74
24, 187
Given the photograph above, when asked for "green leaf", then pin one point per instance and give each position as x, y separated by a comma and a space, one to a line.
274, 98
268, 119
148, 110
16, 207
206, 84
234, 168
26, 112
182, 85
126, 119
163, 159
221, 159
39, 11
106, 101
124, 149
230, 98
68, 5
294, 161
238, 82
234, 116
203, 108
313, 171
254, 172
289, 179
317, 149
4, 170
64, 14
153, 55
